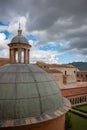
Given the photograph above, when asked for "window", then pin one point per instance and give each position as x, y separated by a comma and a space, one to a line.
65, 72
44, 66
77, 75
86, 75
81, 75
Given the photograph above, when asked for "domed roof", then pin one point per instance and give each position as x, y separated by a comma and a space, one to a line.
19, 39
27, 91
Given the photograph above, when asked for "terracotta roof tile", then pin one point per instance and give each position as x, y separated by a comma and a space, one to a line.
4, 61
74, 91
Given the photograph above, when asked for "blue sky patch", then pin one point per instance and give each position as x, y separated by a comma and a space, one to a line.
66, 57
31, 37
54, 47
6, 33
3, 23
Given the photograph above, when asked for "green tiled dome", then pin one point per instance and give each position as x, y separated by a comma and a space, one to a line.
19, 39
27, 91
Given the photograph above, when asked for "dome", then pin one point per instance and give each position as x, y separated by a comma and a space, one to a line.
27, 92
19, 39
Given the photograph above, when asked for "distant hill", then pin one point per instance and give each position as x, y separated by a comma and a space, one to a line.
80, 65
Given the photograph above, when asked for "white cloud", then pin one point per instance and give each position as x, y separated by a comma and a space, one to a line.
80, 57
4, 53
3, 45
3, 28
3, 41
43, 56
41, 34
14, 24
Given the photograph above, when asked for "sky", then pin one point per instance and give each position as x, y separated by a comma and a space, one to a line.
56, 29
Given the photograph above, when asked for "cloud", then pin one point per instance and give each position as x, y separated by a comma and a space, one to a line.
3, 45
44, 56
3, 41
50, 20
81, 57
41, 55
14, 24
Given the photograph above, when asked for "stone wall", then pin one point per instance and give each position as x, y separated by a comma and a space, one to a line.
58, 77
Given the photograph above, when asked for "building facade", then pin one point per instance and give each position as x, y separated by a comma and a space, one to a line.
68, 71
82, 76
77, 96
67, 76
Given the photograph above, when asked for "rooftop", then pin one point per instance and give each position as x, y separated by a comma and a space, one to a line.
74, 91
19, 38
27, 91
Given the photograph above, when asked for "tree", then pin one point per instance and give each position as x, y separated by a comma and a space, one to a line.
68, 123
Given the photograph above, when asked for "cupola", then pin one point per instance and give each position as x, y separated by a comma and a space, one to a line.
19, 49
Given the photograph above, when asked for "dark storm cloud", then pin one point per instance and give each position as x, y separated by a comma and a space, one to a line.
60, 19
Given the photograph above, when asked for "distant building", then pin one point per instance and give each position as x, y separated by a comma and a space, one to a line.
67, 76
82, 76
68, 71
76, 95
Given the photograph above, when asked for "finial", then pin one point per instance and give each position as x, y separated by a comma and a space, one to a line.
19, 26
19, 30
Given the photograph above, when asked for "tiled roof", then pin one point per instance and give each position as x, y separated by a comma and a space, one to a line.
4, 61
56, 65
74, 91
19, 39
85, 71
52, 70
62, 65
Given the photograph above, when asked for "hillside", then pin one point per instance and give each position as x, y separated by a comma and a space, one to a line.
80, 65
